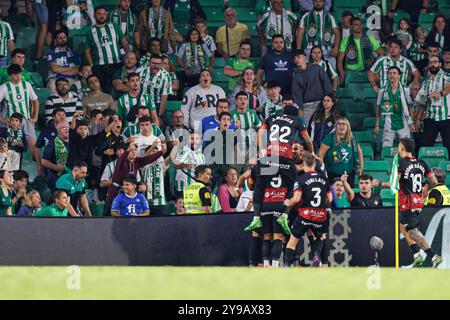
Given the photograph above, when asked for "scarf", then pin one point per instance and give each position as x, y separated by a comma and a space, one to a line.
283, 28
351, 52
116, 18
436, 85
190, 56
60, 152
317, 34
14, 135
156, 27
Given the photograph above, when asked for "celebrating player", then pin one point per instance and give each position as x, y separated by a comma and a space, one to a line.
312, 195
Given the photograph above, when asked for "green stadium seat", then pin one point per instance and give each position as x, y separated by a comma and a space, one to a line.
387, 195
369, 123
218, 76
370, 95
388, 153
358, 107
173, 105
26, 37
219, 63
356, 120
377, 166
433, 155
355, 77
398, 16
364, 138
367, 152
346, 93
37, 79
43, 94
169, 209
97, 209
426, 20
39, 183
349, 4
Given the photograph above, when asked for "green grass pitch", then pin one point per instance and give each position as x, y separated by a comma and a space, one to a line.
222, 283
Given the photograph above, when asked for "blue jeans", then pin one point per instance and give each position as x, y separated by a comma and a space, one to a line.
41, 12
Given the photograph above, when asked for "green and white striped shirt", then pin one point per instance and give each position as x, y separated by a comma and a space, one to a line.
269, 107
248, 119
331, 72
17, 98
159, 85
81, 89
436, 109
135, 129
104, 43
382, 65
187, 156
126, 102
153, 176
6, 35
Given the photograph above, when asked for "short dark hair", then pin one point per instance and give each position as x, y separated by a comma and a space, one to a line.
299, 52
100, 8
131, 180
61, 80
365, 177
408, 144
83, 66
14, 69
201, 169
156, 56
273, 84
108, 112
353, 19
287, 97
17, 116
245, 42
20, 174
58, 194
395, 68
153, 39
291, 110
433, 44
79, 164
241, 93
199, 20
145, 119
57, 32
56, 110
92, 76
82, 123
18, 51
223, 100
277, 36
95, 112
132, 75
225, 113
395, 41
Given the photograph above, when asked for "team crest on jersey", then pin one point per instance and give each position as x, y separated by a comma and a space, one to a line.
105, 39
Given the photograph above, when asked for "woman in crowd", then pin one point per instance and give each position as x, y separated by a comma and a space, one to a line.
323, 120
229, 192
255, 92
32, 205
6, 183
341, 152
439, 31
192, 57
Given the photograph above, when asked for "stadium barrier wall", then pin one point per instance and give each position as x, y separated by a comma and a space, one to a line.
208, 240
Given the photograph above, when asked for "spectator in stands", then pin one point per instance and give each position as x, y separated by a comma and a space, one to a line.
277, 21
340, 200
102, 49
235, 66
230, 36
200, 101
274, 102
434, 99
229, 193
63, 99
97, 99
346, 24
19, 189
14, 135
277, 65
433, 50
439, 32
107, 147
63, 62
192, 57
319, 29
55, 154
380, 68
197, 196
323, 120
245, 203
316, 57
25, 102
170, 68
124, 19
357, 51
310, 84
120, 77
212, 122
418, 50
341, 153
308, 5
446, 60
245, 118
159, 86
179, 206
177, 118
394, 106
126, 108
31, 205
439, 194
79, 15
200, 25
185, 158
106, 178
6, 182
47, 134
58, 209
6, 41
17, 57
134, 128
256, 93
145, 138
409, 6
365, 197
153, 48
130, 202
81, 87
128, 165
154, 22
40, 10
74, 184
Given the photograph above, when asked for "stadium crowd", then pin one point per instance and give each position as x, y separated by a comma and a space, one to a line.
153, 114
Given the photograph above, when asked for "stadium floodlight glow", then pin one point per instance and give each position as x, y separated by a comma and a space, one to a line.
376, 244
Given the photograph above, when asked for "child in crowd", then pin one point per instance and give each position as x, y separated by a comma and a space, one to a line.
418, 50
404, 35
81, 87
274, 103
14, 135
208, 41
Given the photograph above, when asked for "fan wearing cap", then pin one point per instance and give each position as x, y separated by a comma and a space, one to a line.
130, 202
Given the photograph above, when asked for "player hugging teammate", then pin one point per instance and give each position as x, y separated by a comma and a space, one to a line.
275, 176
